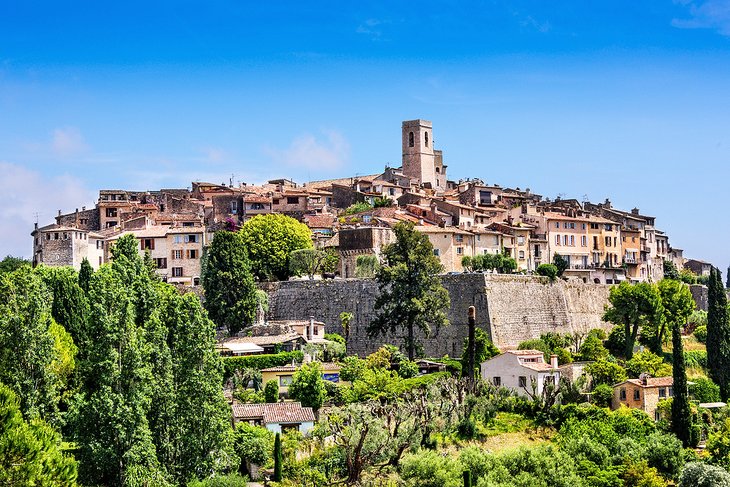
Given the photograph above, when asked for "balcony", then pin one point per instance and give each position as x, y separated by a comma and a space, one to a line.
630, 260
645, 248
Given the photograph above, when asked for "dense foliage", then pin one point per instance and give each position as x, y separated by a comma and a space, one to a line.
270, 240
411, 296
230, 293
718, 334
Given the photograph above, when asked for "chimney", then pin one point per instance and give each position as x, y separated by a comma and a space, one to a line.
311, 327
554, 361
635, 211
644, 378
59, 212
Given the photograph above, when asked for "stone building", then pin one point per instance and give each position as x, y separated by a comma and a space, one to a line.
421, 162
643, 393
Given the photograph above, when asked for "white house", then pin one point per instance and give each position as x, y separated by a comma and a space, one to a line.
277, 417
516, 369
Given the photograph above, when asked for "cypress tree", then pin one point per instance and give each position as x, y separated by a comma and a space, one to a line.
278, 458
85, 275
681, 414
718, 334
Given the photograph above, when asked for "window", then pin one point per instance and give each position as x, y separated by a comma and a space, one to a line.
196, 281
637, 394
147, 243
523, 381
436, 252
459, 238
161, 263
521, 240
622, 394
565, 240
99, 244
522, 254
583, 226
497, 381
285, 380
557, 224
607, 241
55, 236
426, 134
111, 212
557, 239
671, 392
292, 200
191, 238
594, 226
662, 392
565, 225
572, 240
609, 227
177, 254
188, 224
193, 254
177, 272
234, 207
459, 250
411, 141
178, 239
583, 241
391, 191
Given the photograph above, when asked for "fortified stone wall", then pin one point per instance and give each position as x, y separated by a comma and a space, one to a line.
510, 308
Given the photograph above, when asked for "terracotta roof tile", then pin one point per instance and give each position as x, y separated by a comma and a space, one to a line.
280, 412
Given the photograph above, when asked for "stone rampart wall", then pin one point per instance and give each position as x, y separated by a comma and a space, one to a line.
510, 308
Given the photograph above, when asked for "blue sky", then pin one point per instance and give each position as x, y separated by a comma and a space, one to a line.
626, 100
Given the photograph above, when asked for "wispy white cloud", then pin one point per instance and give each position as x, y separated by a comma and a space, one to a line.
708, 14
26, 194
68, 142
371, 28
532, 23
330, 151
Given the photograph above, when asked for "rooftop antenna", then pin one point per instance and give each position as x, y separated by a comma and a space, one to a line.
36, 215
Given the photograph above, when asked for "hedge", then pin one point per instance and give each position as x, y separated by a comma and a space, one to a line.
423, 380
231, 364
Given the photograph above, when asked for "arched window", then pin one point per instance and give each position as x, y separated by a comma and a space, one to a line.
410, 140
426, 138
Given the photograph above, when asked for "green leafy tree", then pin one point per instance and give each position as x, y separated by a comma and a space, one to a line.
605, 372
307, 386
366, 266
271, 391
352, 368
27, 346
308, 262
681, 414
703, 389
548, 270
677, 306
70, 305
484, 350
358, 207
85, 274
270, 240
411, 295
670, 270
647, 362
30, 452
633, 305
561, 263
253, 445
687, 276
592, 349
718, 334
230, 293
602, 395
12, 264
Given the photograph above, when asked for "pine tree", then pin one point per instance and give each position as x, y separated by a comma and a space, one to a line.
230, 293
718, 334
411, 294
278, 459
681, 414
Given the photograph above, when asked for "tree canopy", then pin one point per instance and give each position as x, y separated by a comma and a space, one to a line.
230, 293
718, 334
411, 295
270, 240
633, 305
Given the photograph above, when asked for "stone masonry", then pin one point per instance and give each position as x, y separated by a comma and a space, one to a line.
510, 309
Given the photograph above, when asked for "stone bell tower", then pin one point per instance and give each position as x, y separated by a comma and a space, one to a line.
420, 162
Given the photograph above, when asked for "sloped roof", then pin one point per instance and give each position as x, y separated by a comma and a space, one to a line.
280, 412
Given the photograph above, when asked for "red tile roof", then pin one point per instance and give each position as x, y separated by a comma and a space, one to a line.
280, 412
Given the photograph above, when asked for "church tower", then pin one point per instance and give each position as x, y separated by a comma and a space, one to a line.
419, 158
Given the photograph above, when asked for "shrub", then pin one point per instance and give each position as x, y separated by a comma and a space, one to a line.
358, 208
548, 270
605, 372
695, 359
352, 368
616, 343
704, 390
271, 391
230, 480
602, 395
407, 369
698, 474
647, 362
701, 333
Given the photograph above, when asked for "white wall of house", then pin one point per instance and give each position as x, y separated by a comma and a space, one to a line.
303, 427
514, 375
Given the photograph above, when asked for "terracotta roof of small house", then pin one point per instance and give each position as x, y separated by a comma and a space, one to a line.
279, 412
650, 382
320, 221
524, 352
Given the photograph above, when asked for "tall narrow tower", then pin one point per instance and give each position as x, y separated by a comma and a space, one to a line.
418, 156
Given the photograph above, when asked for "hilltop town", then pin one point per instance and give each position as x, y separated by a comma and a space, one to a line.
354, 215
